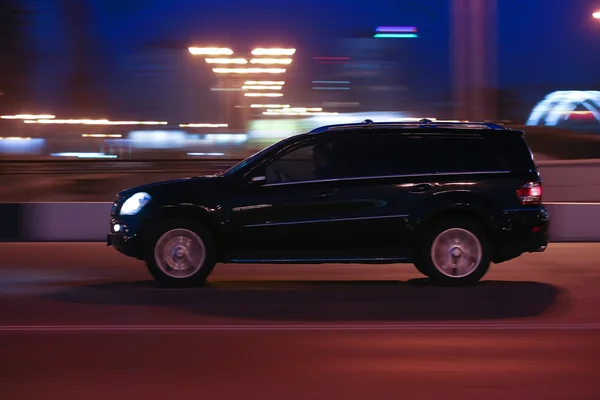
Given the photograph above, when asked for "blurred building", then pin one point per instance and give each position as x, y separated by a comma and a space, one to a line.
163, 82
363, 73
14, 68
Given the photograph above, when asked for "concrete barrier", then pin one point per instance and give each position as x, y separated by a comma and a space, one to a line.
571, 180
88, 222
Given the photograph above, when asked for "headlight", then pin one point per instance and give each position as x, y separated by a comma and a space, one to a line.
135, 203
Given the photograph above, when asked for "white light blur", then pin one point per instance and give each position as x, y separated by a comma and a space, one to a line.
205, 154
260, 87
273, 52
226, 61
92, 122
596, 15
158, 139
249, 70
28, 116
264, 83
21, 145
203, 125
283, 61
102, 135
83, 155
211, 51
263, 94
269, 105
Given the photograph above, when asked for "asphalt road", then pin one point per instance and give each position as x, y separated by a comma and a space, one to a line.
81, 321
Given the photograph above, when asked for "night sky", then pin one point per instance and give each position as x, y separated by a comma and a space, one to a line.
542, 42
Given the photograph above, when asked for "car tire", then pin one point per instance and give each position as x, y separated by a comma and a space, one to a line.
180, 253
455, 251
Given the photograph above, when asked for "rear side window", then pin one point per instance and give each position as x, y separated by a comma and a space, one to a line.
515, 151
373, 154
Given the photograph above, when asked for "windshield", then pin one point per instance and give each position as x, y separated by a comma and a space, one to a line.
237, 167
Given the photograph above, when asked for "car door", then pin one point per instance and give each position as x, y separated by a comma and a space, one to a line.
375, 193
286, 213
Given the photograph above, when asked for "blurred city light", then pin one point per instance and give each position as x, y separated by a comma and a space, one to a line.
15, 138
273, 52
396, 29
28, 116
596, 15
332, 82
83, 155
203, 125
559, 105
102, 135
249, 70
269, 105
396, 35
92, 122
271, 61
259, 87
330, 88
264, 83
227, 61
263, 94
210, 51
206, 154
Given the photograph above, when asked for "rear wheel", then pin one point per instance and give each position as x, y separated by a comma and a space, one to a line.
455, 251
180, 253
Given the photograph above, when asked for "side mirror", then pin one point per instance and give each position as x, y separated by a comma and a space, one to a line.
258, 180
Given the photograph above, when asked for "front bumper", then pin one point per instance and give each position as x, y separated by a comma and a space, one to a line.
123, 239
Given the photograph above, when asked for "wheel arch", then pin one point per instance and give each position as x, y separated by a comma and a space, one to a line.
195, 213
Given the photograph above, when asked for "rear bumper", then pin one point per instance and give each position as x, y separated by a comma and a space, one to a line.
525, 230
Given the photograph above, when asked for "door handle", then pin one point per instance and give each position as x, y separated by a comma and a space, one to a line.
421, 188
323, 195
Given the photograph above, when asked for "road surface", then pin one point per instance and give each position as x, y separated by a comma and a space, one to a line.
81, 321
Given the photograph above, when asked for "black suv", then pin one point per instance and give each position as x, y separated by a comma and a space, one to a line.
448, 197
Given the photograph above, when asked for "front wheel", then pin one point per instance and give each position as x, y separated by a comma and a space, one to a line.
180, 253
456, 252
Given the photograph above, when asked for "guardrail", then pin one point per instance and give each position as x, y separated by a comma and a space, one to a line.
88, 222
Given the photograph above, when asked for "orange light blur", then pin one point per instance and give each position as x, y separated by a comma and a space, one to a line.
271, 61
260, 87
227, 61
249, 70
264, 83
263, 94
28, 116
273, 52
211, 51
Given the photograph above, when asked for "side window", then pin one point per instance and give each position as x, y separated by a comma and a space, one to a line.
389, 153
306, 163
373, 154
455, 154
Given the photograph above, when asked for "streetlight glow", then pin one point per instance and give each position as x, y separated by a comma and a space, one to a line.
596, 15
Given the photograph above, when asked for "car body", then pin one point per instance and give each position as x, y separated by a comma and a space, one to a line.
451, 198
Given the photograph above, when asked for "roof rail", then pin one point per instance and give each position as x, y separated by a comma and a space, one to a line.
423, 123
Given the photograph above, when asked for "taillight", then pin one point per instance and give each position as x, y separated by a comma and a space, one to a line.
530, 193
